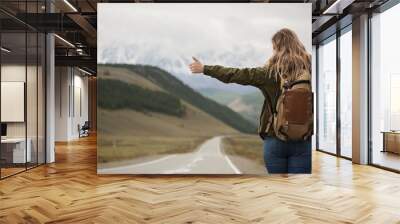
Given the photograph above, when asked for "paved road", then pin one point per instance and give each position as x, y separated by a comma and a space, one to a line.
208, 159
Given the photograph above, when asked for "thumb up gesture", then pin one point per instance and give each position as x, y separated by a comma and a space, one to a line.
196, 66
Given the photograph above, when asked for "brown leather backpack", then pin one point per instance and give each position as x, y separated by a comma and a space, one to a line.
293, 114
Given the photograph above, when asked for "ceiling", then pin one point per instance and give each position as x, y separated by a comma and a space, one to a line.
75, 21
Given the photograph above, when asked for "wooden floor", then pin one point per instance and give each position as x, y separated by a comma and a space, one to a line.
69, 191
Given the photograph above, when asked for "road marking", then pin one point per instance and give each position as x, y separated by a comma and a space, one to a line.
234, 168
186, 168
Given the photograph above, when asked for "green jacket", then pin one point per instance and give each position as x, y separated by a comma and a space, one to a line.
259, 77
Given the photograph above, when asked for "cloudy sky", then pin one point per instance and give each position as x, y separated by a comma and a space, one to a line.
167, 35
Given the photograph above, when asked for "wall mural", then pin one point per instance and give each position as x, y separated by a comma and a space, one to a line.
156, 113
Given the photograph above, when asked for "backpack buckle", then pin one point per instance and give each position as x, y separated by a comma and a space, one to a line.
286, 85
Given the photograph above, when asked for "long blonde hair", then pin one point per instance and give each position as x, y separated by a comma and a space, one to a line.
290, 59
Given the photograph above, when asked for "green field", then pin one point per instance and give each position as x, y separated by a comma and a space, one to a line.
118, 149
247, 146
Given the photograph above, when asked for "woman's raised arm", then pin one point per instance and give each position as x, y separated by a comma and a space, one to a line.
245, 76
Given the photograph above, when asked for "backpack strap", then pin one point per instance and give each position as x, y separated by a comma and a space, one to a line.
269, 101
289, 85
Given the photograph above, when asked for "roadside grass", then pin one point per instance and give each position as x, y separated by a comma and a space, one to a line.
118, 149
247, 146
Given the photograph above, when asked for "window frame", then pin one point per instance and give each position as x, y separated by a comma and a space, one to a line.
334, 37
43, 117
381, 9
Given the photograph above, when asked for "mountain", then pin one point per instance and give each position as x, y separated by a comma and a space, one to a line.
176, 61
247, 104
180, 104
223, 97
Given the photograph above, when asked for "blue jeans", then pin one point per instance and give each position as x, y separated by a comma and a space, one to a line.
287, 156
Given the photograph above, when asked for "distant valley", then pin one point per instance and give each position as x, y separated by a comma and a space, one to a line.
247, 104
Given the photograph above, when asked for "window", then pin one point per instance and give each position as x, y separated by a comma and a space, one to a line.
385, 89
22, 77
14, 142
346, 93
314, 86
327, 96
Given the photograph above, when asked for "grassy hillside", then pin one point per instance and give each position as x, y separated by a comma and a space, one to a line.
178, 89
116, 94
247, 146
126, 134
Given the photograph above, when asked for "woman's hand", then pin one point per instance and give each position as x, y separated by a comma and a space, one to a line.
196, 66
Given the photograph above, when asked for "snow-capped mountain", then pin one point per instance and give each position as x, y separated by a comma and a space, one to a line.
177, 62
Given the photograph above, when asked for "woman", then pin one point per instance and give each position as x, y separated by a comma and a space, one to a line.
289, 62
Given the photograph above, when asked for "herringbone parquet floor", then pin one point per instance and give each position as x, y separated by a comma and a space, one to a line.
69, 191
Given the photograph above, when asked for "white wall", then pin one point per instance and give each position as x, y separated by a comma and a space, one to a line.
71, 102
33, 125
17, 73
62, 82
10, 73
80, 110
14, 73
